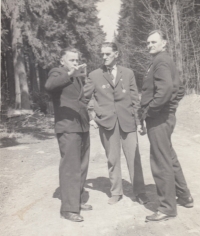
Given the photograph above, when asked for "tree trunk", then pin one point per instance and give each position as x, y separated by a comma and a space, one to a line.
33, 73
11, 79
43, 77
178, 50
3, 89
196, 65
22, 100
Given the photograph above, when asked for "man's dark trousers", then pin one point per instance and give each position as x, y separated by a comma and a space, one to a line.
74, 149
165, 166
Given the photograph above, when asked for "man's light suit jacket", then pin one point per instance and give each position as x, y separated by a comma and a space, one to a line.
114, 101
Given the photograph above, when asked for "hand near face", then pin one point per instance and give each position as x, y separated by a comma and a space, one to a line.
70, 60
72, 71
76, 71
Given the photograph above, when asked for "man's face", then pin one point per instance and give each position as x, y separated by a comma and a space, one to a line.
70, 60
155, 44
109, 56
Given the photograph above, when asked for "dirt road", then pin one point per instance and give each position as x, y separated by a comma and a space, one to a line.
30, 195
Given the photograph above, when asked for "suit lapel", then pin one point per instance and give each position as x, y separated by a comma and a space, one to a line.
76, 85
119, 75
81, 86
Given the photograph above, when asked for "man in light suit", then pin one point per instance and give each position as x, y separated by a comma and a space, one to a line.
72, 130
161, 93
116, 105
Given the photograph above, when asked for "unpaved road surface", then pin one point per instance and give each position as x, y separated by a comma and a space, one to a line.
30, 195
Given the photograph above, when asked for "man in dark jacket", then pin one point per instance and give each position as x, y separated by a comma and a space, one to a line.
72, 130
161, 93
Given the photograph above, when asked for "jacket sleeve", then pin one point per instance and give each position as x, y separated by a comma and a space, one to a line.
57, 79
163, 88
181, 92
135, 98
90, 108
88, 89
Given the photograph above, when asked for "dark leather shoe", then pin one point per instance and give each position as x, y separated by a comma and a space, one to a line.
114, 199
85, 207
75, 217
158, 217
142, 198
185, 202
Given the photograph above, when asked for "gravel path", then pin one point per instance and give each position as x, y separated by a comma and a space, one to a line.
30, 195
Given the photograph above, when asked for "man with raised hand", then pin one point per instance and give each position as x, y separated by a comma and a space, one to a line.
161, 92
72, 130
116, 105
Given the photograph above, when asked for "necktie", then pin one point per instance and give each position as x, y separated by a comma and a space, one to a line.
111, 75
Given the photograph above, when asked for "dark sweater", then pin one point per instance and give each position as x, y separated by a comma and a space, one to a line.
162, 88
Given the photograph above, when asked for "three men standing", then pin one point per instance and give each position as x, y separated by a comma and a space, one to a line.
116, 105
72, 130
161, 93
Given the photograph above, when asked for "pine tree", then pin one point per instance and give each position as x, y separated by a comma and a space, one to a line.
38, 30
180, 22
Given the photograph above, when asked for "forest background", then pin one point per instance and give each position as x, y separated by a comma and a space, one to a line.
35, 31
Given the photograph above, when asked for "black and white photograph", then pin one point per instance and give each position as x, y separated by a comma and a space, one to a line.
100, 118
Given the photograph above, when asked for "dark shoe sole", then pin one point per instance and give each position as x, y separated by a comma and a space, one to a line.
185, 202
189, 205
86, 209
161, 220
71, 219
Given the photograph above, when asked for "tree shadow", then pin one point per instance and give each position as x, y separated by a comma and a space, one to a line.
21, 138
8, 142
26, 130
43, 135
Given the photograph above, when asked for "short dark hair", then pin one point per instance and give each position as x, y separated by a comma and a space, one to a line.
70, 49
111, 45
160, 32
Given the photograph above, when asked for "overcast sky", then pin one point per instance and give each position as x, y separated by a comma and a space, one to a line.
108, 14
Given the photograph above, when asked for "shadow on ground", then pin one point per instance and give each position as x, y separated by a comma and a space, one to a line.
84, 198
8, 142
23, 130
102, 184
23, 139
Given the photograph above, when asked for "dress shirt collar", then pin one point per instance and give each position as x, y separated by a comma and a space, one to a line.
114, 68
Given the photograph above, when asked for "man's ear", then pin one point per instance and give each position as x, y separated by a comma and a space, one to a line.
164, 43
62, 62
116, 54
